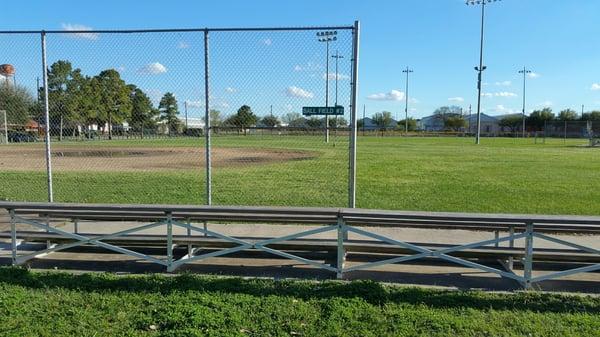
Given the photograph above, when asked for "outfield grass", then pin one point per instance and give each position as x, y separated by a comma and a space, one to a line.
60, 304
434, 174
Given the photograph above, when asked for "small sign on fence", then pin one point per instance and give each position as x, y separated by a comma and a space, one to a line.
322, 110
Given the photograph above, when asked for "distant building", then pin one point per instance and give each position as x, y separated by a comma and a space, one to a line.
489, 124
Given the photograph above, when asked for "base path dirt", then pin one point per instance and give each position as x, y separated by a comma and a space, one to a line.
133, 159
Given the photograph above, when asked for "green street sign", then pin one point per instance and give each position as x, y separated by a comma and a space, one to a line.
322, 110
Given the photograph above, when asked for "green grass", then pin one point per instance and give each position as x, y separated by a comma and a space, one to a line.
432, 174
60, 304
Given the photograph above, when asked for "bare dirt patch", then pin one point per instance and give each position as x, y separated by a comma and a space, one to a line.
133, 159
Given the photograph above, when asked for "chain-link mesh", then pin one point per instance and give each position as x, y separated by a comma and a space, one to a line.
22, 150
265, 151
127, 116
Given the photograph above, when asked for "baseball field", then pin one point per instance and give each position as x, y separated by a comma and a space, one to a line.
503, 175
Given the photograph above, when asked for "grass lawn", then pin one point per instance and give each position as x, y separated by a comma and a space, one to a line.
60, 304
433, 174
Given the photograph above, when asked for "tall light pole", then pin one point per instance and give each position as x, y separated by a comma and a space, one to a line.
481, 67
337, 56
185, 104
407, 71
327, 36
525, 71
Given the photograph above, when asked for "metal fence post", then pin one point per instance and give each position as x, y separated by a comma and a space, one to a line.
353, 101
528, 265
13, 236
169, 240
47, 117
207, 125
341, 253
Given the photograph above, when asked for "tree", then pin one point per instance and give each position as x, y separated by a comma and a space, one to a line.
383, 120
290, 116
314, 122
299, 122
169, 110
448, 111
270, 121
412, 124
114, 97
567, 115
338, 122
245, 117
538, 118
62, 91
513, 122
143, 113
18, 103
215, 117
591, 116
455, 123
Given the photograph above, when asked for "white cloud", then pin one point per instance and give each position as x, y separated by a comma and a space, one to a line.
498, 94
121, 69
534, 75
183, 45
294, 91
394, 95
456, 99
505, 94
194, 104
340, 77
230, 89
153, 69
596, 86
501, 109
69, 27
307, 67
267, 42
503, 83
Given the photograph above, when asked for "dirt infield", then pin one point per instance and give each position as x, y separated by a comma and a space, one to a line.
135, 159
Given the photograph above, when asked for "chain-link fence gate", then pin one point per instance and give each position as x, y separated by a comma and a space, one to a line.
191, 116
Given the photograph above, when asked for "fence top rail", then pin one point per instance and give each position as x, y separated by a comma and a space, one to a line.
179, 30
308, 214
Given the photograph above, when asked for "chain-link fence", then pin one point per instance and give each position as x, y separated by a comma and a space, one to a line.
193, 116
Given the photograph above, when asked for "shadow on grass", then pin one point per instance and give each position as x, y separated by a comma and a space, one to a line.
370, 291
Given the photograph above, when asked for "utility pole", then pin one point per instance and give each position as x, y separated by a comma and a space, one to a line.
185, 104
407, 71
327, 36
481, 67
337, 56
525, 71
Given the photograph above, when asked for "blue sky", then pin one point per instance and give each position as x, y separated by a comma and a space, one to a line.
439, 39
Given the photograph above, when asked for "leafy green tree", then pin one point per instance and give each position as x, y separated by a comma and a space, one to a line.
299, 122
567, 115
62, 93
245, 117
270, 121
412, 124
591, 116
513, 122
538, 118
18, 103
143, 113
114, 97
169, 111
314, 122
383, 120
455, 123
215, 117
338, 122
290, 116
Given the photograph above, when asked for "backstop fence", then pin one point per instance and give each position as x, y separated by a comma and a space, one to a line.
182, 116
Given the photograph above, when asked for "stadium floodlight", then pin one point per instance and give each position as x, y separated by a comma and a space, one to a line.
525, 71
337, 56
326, 37
481, 67
407, 71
